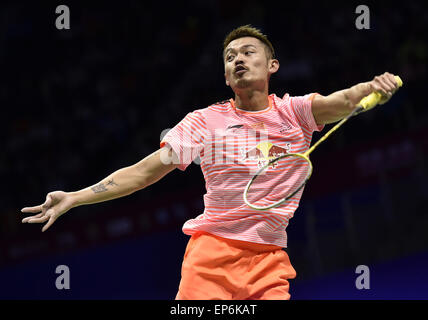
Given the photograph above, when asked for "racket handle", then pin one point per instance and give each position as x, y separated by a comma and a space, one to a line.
375, 97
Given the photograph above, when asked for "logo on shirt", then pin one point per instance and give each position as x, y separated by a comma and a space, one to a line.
265, 152
235, 126
285, 127
252, 126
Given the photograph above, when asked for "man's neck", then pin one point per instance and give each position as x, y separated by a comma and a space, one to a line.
251, 100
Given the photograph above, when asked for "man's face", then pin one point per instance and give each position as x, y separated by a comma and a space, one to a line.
246, 63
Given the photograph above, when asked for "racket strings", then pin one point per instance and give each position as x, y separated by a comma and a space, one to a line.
279, 180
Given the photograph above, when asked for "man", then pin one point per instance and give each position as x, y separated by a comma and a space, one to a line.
234, 252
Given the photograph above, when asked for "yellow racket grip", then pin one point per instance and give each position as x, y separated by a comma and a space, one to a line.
375, 97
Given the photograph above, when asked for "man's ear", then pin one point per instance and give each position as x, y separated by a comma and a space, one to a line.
227, 81
273, 65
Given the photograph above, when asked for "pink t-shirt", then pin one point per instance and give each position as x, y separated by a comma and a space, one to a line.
232, 144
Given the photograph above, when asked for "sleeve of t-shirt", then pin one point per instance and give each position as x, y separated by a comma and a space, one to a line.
302, 109
187, 138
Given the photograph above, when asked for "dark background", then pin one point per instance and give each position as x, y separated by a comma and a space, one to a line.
79, 104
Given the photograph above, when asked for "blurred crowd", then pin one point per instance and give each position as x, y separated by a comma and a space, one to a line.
79, 104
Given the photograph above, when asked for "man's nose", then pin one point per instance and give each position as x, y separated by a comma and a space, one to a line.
239, 59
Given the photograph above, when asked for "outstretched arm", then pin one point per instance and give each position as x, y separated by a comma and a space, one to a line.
118, 184
336, 106
126, 180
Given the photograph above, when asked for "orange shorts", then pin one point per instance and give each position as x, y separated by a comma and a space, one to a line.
216, 268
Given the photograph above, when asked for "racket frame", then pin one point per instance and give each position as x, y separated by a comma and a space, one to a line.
304, 156
277, 203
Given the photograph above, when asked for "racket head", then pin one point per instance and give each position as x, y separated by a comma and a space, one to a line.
305, 166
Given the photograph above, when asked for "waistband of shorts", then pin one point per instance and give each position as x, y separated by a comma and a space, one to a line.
239, 244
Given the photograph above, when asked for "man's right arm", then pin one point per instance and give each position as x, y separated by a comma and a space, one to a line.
129, 179
118, 184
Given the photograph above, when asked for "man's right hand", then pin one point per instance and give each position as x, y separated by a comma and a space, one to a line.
57, 203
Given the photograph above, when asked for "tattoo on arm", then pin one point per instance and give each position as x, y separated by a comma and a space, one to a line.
111, 183
99, 188
102, 188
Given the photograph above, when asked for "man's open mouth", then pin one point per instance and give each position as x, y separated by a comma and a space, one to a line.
240, 70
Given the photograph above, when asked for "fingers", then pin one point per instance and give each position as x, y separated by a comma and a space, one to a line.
38, 219
381, 86
34, 209
48, 202
25, 220
46, 205
50, 222
385, 84
45, 213
42, 217
390, 79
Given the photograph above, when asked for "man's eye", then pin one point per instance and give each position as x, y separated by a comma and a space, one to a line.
229, 58
248, 52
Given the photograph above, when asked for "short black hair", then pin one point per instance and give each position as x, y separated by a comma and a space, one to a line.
249, 31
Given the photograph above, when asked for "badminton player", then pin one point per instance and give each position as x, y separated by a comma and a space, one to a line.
234, 252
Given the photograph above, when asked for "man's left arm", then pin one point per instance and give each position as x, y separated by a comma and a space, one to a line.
336, 106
